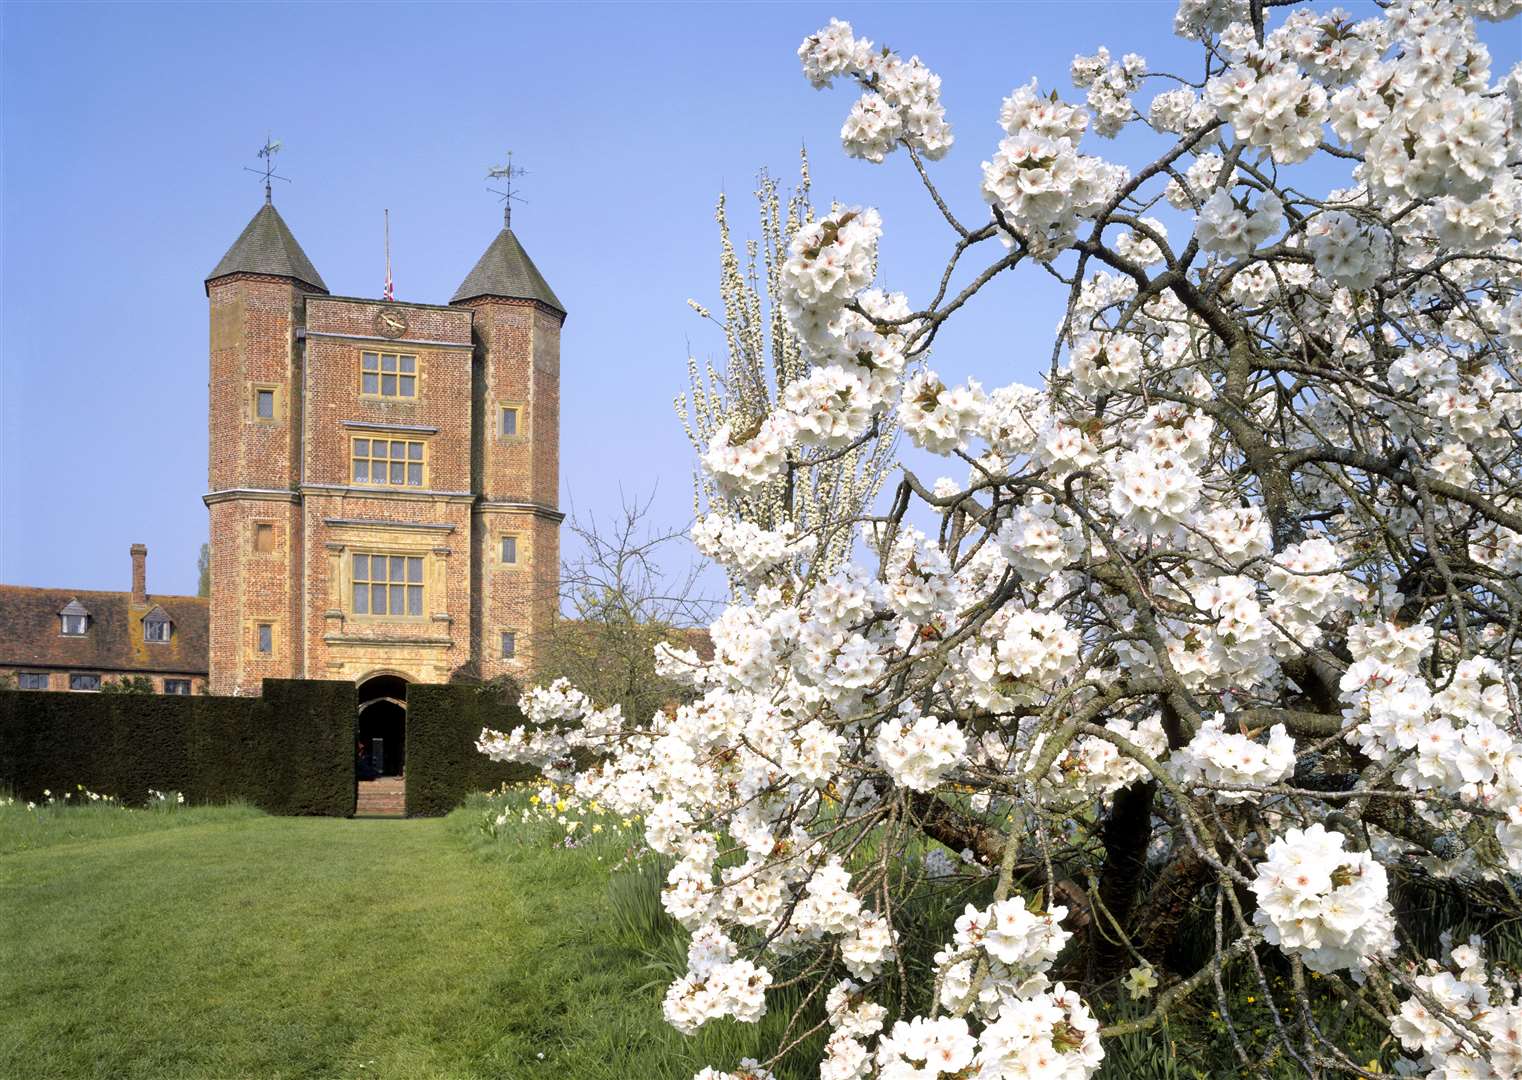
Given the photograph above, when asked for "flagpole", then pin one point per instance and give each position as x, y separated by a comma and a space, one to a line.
389, 292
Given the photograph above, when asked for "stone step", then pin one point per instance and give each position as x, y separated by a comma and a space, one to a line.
382, 798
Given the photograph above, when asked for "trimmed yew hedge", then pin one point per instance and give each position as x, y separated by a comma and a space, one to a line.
443, 724
290, 751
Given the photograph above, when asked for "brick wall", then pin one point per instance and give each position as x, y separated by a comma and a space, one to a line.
252, 460
253, 336
519, 360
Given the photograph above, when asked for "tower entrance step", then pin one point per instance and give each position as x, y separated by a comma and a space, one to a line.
386, 797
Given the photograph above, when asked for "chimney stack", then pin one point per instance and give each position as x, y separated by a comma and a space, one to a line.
139, 573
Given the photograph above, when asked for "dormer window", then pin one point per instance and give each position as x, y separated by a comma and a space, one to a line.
156, 626
75, 619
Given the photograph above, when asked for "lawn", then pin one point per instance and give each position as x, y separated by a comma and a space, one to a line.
218, 943
223, 943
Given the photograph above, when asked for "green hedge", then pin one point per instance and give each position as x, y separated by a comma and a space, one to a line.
443, 724
290, 751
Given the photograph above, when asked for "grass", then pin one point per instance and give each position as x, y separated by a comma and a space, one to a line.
179, 943
70, 822
218, 942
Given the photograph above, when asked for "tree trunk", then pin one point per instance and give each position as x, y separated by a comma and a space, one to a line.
1127, 832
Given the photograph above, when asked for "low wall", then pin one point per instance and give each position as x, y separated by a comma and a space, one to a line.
290, 751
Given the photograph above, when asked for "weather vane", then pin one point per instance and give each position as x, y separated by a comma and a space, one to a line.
267, 154
508, 173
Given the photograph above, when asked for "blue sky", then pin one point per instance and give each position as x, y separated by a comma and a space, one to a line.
124, 129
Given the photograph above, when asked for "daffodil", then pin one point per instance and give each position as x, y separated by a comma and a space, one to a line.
1140, 981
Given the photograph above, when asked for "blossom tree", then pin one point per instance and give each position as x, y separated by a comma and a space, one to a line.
1218, 635
803, 513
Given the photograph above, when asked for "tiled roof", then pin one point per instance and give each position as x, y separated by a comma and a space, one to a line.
266, 246
30, 632
699, 641
506, 270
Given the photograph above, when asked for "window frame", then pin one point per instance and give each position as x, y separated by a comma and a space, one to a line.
406, 462
416, 375
520, 413
158, 620
503, 634
177, 682
63, 627
353, 582
277, 410
21, 676
259, 627
518, 549
265, 528
75, 675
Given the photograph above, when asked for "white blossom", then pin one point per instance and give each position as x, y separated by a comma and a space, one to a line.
1326, 904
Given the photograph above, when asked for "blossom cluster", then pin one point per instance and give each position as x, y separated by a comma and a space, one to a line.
1110, 85
1232, 228
1271, 104
901, 103
1328, 905
1459, 740
1223, 759
1462, 1018
917, 755
1044, 188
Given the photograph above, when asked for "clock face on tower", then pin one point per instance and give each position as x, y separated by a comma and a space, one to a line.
389, 323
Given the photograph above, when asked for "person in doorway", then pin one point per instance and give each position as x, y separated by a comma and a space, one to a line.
364, 768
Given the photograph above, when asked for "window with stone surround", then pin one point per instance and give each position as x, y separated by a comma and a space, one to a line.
264, 403
81, 681
387, 585
264, 537
388, 375
32, 680
264, 638
179, 687
509, 644
509, 549
509, 420
388, 462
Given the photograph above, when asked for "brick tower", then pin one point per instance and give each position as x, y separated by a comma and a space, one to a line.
257, 295
383, 475
516, 319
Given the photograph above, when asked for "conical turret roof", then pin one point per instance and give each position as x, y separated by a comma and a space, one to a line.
506, 270
266, 246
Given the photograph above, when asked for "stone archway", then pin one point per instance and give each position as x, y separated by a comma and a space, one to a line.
381, 745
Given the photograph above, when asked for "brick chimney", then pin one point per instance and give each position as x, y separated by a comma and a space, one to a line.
139, 573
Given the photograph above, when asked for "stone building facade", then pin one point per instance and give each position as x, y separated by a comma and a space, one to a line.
383, 476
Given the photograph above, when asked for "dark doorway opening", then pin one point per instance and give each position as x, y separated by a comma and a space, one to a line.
382, 727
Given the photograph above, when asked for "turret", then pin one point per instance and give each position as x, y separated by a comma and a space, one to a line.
517, 332
257, 299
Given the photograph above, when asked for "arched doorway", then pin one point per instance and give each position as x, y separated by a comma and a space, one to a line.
382, 726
